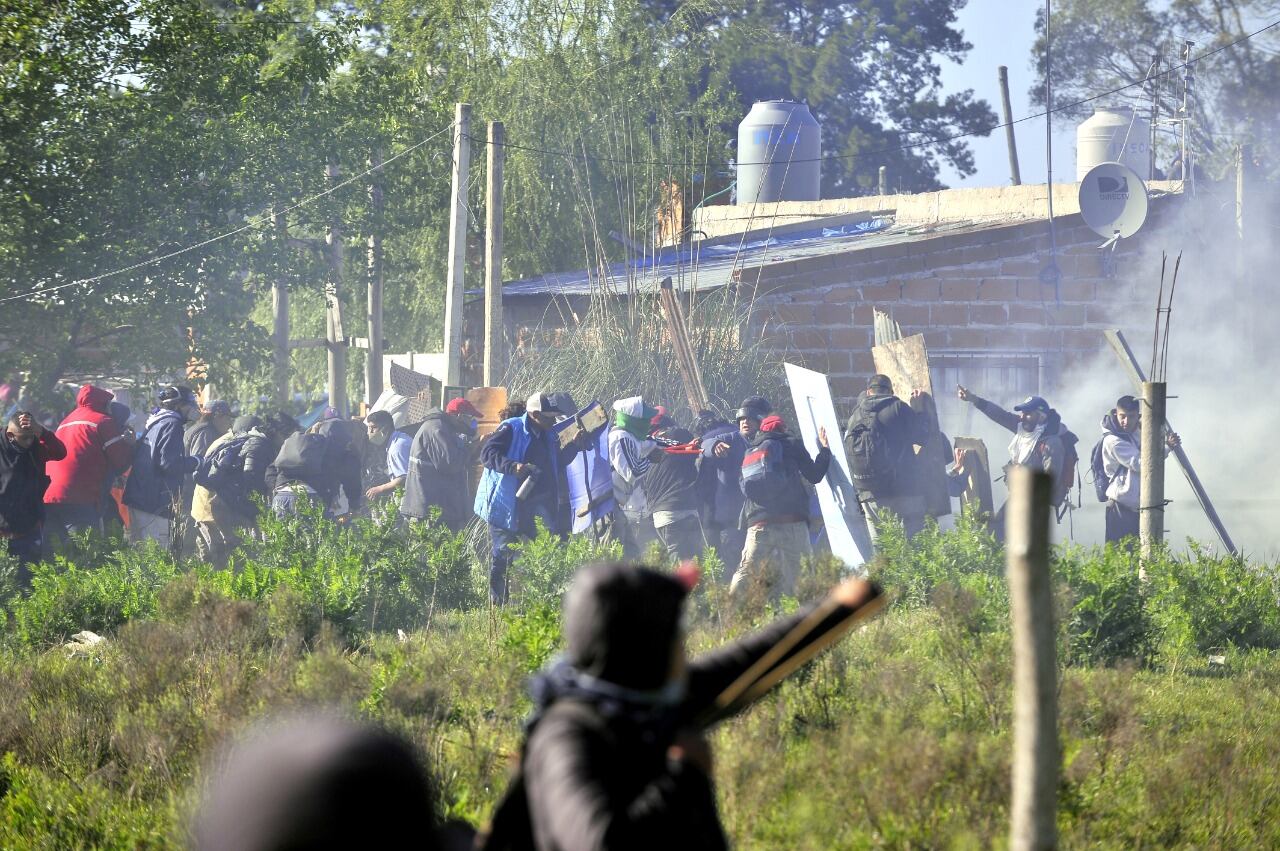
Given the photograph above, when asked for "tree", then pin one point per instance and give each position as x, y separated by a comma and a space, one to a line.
1102, 45
122, 138
868, 70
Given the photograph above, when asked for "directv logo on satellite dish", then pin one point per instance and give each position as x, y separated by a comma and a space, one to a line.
1113, 188
1113, 200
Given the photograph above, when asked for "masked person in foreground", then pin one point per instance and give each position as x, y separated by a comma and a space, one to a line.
616, 755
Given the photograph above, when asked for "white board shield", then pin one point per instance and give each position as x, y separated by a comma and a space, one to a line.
845, 524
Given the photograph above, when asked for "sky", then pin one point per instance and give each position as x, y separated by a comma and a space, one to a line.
1002, 32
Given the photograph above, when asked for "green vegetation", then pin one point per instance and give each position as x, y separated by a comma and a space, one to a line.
898, 738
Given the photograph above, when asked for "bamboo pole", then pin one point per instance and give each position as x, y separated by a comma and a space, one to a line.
1033, 809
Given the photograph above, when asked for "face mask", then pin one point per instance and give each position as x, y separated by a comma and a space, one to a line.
377, 438
472, 425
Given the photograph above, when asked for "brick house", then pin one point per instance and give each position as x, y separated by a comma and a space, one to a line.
967, 268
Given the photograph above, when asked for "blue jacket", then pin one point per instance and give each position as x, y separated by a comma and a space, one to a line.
160, 464
496, 500
722, 476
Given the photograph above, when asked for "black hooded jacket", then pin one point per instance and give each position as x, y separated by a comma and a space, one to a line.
23, 481
438, 471
903, 428
597, 775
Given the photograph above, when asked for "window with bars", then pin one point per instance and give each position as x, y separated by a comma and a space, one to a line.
1001, 377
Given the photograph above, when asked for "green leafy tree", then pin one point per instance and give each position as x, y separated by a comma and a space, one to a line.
1101, 46
868, 70
122, 139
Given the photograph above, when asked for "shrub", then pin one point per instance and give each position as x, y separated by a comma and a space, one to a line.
66, 598
1106, 619
1202, 601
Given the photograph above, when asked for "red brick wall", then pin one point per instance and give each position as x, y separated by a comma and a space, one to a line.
974, 291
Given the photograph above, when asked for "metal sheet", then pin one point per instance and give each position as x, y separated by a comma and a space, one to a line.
845, 523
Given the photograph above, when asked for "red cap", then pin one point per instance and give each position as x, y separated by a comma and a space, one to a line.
462, 406
773, 422
658, 417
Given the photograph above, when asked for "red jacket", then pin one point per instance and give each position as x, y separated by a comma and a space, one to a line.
96, 451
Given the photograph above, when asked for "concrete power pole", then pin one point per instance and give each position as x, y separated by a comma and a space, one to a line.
1151, 494
335, 334
373, 363
1033, 810
1011, 140
454, 292
280, 326
494, 336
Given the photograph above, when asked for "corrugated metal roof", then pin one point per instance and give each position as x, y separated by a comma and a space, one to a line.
711, 263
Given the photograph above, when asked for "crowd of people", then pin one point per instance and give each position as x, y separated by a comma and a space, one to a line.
744, 487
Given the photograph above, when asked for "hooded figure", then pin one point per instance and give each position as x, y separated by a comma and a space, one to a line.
438, 463
629, 455
321, 783
97, 452
614, 758
160, 464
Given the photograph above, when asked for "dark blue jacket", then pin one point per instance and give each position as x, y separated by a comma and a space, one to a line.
720, 478
160, 463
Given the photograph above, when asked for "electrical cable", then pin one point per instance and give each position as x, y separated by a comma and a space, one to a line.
253, 223
249, 225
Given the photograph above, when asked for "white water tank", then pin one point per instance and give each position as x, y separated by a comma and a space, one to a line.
779, 153
1113, 135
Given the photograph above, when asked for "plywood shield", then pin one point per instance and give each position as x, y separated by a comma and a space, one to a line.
977, 492
906, 362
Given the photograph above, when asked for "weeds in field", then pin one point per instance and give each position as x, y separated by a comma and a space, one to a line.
899, 737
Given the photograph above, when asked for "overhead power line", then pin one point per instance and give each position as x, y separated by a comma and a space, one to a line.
257, 222
249, 225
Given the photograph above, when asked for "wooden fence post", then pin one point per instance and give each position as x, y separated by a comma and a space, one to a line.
1033, 816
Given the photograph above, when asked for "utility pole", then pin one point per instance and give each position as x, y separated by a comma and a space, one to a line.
454, 292
1033, 810
335, 335
1151, 492
373, 361
1015, 173
280, 323
494, 335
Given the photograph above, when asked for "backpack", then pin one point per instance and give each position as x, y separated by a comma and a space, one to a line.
302, 457
217, 469
1098, 469
871, 462
764, 472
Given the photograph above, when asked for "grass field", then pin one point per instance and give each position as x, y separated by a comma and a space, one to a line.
899, 738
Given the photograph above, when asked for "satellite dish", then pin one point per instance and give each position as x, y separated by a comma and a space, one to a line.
1113, 200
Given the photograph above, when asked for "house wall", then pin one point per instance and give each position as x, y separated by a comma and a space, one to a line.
975, 292
978, 292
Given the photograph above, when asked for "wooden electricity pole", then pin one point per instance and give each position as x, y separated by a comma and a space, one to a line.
373, 362
1015, 173
1033, 810
1151, 484
494, 336
335, 334
454, 292
280, 324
